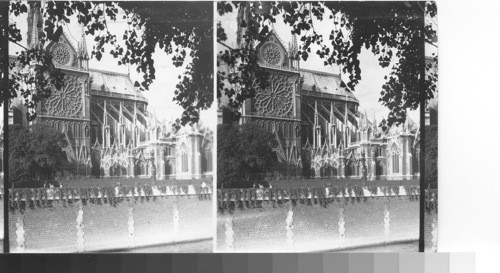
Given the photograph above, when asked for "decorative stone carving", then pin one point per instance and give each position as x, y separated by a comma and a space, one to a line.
67, 101
271, 53
61, 54
277, 99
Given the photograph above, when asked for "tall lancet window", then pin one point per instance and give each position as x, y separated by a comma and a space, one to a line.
395, 159
206, 160
184, 159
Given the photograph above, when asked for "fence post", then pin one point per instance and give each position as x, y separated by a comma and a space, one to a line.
229, 232
20, 238
387, 220
289, 227
131, 229
79, 229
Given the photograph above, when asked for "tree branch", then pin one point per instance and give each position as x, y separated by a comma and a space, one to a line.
18, 44
222, 43
431, 43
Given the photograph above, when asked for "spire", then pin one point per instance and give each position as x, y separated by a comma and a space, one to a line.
293, 48
82, 52
316, 126
82, 47
345, 121
365, 119
331, 127
294, 43
34, 24
243, 17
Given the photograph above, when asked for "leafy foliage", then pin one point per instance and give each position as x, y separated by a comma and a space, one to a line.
35, 152
34, 66
393, 31
179, 29
19, 167
242, 150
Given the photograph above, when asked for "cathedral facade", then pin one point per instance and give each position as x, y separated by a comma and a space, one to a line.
106, 121
319, 128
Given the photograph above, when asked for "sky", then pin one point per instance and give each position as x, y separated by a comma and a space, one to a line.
161, 91
372, 75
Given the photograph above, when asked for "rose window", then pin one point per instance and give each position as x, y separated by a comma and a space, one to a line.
271, 53
277, 99
65, 102
61, 54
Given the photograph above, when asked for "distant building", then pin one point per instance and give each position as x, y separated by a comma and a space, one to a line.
319, 129
107, 122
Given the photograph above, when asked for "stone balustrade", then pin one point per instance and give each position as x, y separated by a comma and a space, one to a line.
109, 219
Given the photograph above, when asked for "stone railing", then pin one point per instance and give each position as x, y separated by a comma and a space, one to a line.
316, 219
108, 218
110, 194
302, 193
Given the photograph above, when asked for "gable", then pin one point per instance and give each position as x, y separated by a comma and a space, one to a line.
63, 53
271, 52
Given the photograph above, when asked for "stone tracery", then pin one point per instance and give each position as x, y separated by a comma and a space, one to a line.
67, 101
61, 54
277, 99
271, 53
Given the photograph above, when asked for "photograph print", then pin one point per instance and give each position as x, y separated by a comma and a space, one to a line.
4, 81
430, 180
319, 124
110, 133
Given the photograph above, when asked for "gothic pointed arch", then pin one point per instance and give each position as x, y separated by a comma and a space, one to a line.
63, 52
395, 154
206, 157
184, 158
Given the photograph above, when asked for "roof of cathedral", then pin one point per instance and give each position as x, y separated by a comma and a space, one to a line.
114, 82
325, 83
